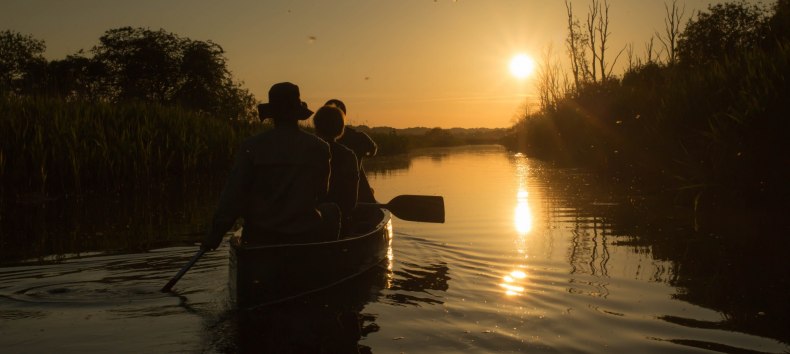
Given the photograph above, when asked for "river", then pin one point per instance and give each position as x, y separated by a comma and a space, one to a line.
532, 258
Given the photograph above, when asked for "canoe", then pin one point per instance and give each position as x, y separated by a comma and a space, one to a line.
261, 275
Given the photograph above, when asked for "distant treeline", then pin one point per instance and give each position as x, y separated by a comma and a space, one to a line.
393, 141
707, 121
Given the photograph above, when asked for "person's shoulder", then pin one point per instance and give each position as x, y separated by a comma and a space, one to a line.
344, 151
340, 148
271, 139
312, 139
310, 142
262, 136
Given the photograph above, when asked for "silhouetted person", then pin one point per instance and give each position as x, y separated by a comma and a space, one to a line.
363, 146
344, 177
277, 180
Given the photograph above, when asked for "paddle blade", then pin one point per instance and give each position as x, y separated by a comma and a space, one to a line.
422, 208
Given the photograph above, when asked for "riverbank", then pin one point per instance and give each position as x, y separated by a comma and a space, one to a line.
710, 136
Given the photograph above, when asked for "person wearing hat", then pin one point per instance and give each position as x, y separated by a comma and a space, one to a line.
278, 178
363, 146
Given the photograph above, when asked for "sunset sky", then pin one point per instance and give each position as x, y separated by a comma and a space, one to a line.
398, 63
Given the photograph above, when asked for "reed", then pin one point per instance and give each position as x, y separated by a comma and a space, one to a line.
51, 146
718, 129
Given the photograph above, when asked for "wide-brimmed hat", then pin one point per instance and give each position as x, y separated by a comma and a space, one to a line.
284, 102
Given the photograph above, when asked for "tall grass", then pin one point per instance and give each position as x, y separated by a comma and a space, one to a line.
50, 146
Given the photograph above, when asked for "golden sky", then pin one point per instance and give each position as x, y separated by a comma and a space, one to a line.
398, 63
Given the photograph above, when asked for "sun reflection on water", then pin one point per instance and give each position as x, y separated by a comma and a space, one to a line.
523, 215
390, 256
514, 282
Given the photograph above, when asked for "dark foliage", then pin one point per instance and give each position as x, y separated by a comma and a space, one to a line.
724, 30
22, 63
709, 134
129, 65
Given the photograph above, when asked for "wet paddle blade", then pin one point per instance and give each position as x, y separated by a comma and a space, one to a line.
422, 208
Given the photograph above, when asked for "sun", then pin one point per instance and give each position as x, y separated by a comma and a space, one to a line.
522, 66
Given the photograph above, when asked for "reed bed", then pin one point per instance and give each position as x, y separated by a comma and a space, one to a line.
713, 130
50, 146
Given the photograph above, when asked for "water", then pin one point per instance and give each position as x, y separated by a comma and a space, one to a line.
532, 258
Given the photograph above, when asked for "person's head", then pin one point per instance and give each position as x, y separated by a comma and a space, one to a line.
337, 103
329, 122
284, 104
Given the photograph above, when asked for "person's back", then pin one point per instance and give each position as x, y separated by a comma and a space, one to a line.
277, 180
362, 146
344, 176
289, 169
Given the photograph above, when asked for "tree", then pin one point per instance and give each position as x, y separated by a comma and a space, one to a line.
595, 38
576, 43
603, 34
140, 63
780, 21
592, 18
671, 30
75, 77
158, 66
550, 85
724, 30
22, 64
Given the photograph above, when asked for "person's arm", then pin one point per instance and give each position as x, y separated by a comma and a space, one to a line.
231, 200
372, 147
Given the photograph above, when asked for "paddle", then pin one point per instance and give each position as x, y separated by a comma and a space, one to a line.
183, 270
422, 208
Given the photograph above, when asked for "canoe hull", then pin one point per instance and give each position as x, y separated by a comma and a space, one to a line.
262, 275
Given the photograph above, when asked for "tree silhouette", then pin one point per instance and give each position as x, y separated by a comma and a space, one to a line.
140, 63
129, 64
158, 66
75, 77
724, 30
22, 63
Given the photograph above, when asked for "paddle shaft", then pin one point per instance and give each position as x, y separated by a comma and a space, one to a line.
183, 271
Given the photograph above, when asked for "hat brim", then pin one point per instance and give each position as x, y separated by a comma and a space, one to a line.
266, 110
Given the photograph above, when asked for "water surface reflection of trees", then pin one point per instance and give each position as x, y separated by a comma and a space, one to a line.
125, 222
715, 264
391, 164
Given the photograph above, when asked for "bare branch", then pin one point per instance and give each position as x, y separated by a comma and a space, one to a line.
592, 17
611, 67
674, 17
576, 44
603, 33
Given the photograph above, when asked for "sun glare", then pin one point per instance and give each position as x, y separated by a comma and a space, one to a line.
522, 66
